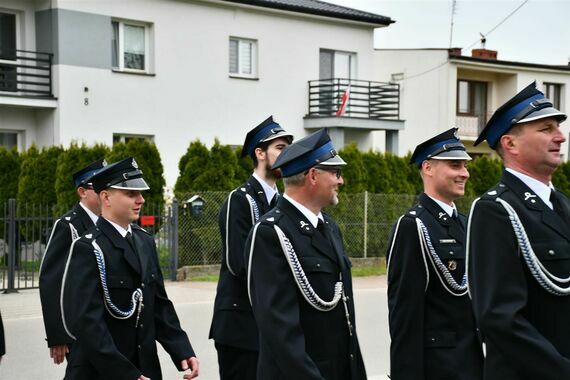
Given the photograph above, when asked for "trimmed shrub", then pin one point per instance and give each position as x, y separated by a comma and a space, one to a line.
36, 183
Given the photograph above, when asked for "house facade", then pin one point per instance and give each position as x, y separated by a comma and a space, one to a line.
175, 71
441, 88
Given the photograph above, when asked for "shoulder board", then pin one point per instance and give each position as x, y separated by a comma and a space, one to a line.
271, 217
69, 216
139, 228
494, 192
415, 211
90, 235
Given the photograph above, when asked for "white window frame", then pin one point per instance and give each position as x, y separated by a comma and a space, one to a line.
254, 55
121, 53
20, 136
122, 137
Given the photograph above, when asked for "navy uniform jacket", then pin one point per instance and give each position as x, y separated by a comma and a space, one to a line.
298, 341
70, 226
233, 323
108, 348
526, 328
433, 332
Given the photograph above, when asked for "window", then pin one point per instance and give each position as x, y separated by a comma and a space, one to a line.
129, 46
337, 64
8, 76
243, 57
552, 92
125, 137
9, 139
471, 98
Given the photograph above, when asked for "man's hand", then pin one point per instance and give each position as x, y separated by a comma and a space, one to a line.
142, 377
190, 363
57, 353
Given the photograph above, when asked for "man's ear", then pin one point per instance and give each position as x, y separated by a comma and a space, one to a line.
260, 154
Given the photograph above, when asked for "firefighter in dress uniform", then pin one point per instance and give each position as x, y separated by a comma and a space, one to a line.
430, 316
69, 227
519, 246
113, 299
299, 279
233, 326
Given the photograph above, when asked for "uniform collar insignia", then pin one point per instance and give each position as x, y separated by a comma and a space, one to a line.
442, 215
413, 212
530, 196
272, 219
492, 192
303, 224
68, 218
89, 236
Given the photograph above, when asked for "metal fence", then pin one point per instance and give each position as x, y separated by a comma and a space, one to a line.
25, 230
186, 236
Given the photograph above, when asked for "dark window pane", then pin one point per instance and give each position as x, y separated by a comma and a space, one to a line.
7, 36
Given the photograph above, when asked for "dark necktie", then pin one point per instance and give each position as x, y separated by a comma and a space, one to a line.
557, 206
131, 242
273, 202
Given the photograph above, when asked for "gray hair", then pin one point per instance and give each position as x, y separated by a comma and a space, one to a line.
294, 180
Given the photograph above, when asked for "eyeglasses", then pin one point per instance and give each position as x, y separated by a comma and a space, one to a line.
337, 171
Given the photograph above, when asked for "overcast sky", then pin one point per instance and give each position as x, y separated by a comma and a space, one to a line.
539, 32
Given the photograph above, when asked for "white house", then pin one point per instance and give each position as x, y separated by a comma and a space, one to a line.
173, 71
440, 89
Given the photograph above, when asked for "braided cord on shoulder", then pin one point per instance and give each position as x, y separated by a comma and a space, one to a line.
254, 209
445, 277
114, 311
536, 268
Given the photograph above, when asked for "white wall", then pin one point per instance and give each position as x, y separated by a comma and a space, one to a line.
424, 92
191, 97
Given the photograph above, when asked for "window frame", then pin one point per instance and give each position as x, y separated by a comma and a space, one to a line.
119, 137
470, 94
121, 46
254, 56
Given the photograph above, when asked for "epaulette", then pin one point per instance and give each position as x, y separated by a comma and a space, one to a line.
494, 192
139, 228
271, 217
415, 211
90, 235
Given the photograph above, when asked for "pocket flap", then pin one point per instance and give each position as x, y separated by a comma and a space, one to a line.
233, 303
552, 250
449, 251
120, 282
317, 264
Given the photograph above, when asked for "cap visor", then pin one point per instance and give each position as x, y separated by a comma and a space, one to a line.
333, 161
278, 135
132, 184
453, 155
543, 114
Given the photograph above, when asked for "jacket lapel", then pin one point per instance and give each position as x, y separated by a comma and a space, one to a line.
259, 195
453, 226
140, 249
535, 205
318, 241
119, 242
85, 220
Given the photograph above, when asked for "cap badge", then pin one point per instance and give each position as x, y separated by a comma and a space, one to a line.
135, 165
104, 163
455, 134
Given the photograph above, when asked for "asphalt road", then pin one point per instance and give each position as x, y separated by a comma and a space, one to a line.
27, 355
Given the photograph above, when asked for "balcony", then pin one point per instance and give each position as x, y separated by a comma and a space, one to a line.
26, 79
369, 106
367, 100
471, 126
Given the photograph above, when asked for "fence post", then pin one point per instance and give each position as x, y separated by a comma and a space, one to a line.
365, 224
12, 246
174, 240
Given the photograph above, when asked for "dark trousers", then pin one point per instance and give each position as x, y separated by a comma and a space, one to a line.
236, 363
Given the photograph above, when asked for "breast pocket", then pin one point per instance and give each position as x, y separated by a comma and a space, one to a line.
120, 289
322, 275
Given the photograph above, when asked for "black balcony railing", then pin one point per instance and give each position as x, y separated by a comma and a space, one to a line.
26, 73
366, 99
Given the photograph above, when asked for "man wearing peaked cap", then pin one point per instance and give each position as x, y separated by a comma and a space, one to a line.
66, 229
113, 300
432, 327
298, 276
519, 245
233, 326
